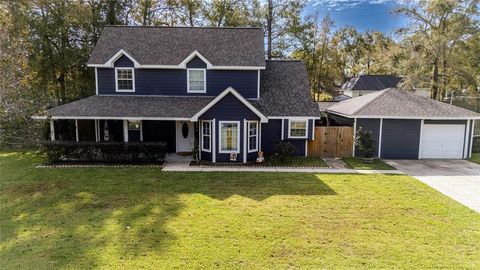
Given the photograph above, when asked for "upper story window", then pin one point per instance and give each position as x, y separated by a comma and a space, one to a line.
196, 80
297, 128
124, 80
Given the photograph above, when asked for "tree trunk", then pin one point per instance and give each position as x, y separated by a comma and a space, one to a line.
269, 28
111, 14
434, 86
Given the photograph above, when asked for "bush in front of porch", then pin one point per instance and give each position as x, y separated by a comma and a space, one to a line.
110, 152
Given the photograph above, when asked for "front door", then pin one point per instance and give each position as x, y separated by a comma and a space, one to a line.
184, 136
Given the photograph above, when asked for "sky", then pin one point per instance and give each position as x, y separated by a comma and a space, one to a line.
362, 14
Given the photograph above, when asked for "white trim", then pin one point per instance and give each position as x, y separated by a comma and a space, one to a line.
248, 136
141, 130
306, 148
465, 141
96, 82
404, 117
380, 138
232, 91
258, 84
52, 130
125, 130
313, 131
76, 130
183, 65
220, 137
259, 136
471, 139
214, 144
294, 117
354, 135
113, 118
209, 136
244, 141
204, 81
283, 129
116, 79
290, 128
420, 139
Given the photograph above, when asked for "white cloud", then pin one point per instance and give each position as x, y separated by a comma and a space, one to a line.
344, 4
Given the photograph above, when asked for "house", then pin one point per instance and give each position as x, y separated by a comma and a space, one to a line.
365, 84
182, 84
408, 126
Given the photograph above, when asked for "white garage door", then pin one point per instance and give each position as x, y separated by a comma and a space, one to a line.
442, 141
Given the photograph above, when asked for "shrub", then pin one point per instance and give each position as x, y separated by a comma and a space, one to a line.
364, 143
104, 151
284, 150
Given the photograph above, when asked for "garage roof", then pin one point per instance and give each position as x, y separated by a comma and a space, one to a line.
394, 103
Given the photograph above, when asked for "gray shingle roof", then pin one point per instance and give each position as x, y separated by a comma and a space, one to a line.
285, 90
372, 82
131, 106
394, 103
171, 45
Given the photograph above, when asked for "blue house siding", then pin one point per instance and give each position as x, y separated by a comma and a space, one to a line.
372, 125
229, 109
400, 139
174, 81
271, 134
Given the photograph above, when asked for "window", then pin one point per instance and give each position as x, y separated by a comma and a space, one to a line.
134, 125
229, 137
297, 128
124, 80
196, 80
252, 136
206, 135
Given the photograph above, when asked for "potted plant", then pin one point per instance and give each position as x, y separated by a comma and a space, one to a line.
365, 145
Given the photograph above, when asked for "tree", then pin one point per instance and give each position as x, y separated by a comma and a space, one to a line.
435, 30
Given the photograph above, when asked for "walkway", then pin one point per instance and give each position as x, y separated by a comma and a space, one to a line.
181, 164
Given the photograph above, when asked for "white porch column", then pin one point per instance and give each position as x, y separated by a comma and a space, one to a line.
214, 141
244, 141
52, 130
97, 131
76, 130
141, 130
125, 130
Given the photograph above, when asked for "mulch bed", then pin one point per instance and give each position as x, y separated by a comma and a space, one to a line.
206, 164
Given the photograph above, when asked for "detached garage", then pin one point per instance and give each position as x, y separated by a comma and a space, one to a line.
407, 126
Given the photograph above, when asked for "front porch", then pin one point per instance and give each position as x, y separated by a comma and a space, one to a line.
179, 135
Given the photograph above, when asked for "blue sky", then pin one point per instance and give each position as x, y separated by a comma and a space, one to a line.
362, 14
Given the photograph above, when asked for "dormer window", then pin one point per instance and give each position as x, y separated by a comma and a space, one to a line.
196, 80
124, 80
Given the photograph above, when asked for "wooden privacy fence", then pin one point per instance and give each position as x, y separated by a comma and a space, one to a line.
331, 142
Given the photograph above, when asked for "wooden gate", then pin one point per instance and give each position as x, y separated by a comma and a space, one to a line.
331, 142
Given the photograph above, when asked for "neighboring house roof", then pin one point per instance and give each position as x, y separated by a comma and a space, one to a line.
120, 107
394, 103
285, 90
323, 105
172, 45
341, 97
371, 82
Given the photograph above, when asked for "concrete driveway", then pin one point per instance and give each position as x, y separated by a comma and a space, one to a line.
458, 179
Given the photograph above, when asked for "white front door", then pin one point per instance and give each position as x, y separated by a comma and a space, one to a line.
442, 141
184, 136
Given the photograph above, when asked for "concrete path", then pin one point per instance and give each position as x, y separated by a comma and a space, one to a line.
458, 179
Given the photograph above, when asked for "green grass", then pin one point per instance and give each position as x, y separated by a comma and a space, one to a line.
475, 158
125, 218
358, 164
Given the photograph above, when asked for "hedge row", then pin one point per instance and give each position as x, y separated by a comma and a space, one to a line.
105, 151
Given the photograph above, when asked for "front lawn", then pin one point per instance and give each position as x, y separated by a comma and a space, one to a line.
130, 218
475, 158
358, 164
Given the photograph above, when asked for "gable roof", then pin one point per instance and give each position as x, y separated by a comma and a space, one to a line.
232, 91
371, 82
285, 90
169, 46
394, 103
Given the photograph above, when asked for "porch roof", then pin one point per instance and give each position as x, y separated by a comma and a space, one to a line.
122, 107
